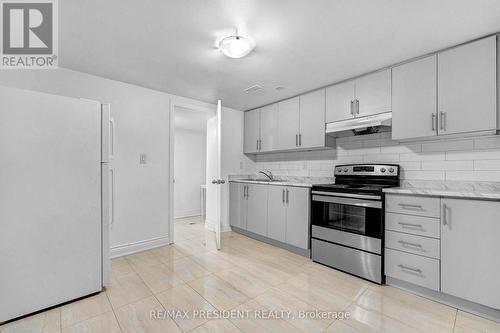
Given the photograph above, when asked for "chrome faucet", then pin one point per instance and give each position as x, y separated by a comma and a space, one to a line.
268, 174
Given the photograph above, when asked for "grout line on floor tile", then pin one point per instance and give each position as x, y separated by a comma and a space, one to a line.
114, 313
455, 321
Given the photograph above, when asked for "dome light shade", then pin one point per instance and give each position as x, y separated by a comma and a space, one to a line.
236, 46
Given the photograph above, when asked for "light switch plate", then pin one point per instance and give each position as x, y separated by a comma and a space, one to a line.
142, 159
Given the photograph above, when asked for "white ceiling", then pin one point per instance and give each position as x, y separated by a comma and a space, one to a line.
168, 45
190, 119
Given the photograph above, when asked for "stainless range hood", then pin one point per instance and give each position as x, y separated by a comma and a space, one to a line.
361, 125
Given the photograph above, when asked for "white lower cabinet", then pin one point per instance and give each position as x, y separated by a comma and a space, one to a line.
456, 253
412, 268
288, 215
238, 205
277, 212
257, 208
297, 217
470, 250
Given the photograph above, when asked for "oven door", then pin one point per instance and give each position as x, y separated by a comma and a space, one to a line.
355, 220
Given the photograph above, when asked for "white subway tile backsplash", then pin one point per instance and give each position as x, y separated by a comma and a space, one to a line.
381, 158
447, 145
468, 159
422, 156
493, 176
410, 166
473, 155
488, 142
447, 165
487, 165
412, 148
423, 175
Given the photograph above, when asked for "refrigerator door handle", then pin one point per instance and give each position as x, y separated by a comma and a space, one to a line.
112, 194
112, 141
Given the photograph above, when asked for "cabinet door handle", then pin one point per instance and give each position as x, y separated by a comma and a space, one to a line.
287, 196
352, 107
445, 217
300, 140
410, 206
410, 225
409, 244
416, 270
442, 121
433, 121
283, 196
296, 140
357, 106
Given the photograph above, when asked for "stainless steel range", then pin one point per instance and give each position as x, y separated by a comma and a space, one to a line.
347, 219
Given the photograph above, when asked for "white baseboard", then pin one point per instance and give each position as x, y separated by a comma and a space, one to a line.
186, 213
125, 249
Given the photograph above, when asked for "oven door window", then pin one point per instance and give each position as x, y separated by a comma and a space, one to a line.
349, 218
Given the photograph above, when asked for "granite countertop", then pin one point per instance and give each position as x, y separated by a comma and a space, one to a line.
457, 189
282, 181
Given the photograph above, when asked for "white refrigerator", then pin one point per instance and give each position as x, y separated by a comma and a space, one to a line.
55, 200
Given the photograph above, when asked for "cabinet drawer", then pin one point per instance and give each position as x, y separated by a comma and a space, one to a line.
415, 225
419, 245
412, 268
413, 205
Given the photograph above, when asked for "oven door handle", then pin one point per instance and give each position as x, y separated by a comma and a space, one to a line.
348, 201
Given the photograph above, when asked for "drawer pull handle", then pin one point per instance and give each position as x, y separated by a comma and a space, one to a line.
409, 244
411, 225
416, 270
410, 206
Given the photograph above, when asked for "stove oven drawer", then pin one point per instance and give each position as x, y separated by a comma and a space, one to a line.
360, 263
413, 205
422, 246
412, 268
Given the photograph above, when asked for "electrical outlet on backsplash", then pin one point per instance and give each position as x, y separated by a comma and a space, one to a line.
459, 159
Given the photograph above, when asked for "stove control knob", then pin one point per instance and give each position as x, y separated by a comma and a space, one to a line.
382, 170
339, 169
345, 170
391, 170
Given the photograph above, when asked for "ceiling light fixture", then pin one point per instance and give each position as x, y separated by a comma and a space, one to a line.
236, 46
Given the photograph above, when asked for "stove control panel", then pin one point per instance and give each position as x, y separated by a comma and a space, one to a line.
367, 170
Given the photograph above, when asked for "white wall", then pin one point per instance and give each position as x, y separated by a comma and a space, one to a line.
465, 159
189, 168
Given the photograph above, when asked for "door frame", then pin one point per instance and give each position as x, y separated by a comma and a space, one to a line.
207, 108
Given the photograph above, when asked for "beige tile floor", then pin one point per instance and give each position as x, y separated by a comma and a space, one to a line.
246, 275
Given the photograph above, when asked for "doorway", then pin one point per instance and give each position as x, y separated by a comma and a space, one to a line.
189, 169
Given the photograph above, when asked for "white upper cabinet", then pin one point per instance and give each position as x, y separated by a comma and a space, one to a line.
470, 264
288, 129
373, 93
467, 88
252, 131
339, 101
312, 119
269, 128
367, 95
414, 99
